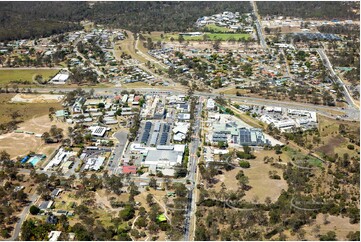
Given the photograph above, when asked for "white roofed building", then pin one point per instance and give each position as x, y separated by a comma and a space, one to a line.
60, 78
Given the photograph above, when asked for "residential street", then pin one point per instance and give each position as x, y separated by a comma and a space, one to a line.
33, 198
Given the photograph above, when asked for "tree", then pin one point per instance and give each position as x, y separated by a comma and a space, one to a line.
329, 236
127, 213
217, 44
14, 115
242, 180
180, 39
180, 189
153, 183
34, 210
150, 199
353, 236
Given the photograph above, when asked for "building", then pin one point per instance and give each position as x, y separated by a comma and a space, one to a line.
55, 192
61, 114
78, 104
60, 78
61, 156
51, 219
94, 163
129, 169
162, 157
180, 131
252, 137
98, 131
45, 205
54, 235
184, 116
183, 107
210, 104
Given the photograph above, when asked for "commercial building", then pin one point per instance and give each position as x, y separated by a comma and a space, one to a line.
180, 131
60, 78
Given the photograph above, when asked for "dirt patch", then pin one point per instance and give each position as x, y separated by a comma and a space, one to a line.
37, 98
333, 142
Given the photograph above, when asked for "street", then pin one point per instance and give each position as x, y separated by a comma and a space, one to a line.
191, 205
114, 162
351, 111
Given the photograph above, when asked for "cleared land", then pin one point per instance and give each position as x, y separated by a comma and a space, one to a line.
19, 144
6, 76
26, 110
36, 98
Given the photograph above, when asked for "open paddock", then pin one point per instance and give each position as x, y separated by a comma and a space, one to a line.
16, 74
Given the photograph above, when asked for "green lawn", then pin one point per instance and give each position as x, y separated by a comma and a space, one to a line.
216, 28
7, 76
313, 161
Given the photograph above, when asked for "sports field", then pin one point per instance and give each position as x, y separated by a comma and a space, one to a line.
7, 75
216, 28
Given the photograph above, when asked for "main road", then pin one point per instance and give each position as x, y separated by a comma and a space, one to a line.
192, 171
259, 26
336, 78
351, 112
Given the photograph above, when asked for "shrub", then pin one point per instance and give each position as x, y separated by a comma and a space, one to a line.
244, 164
350, 147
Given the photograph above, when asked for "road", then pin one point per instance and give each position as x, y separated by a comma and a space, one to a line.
351, 112
336, 78
259, 26
122, 137
287, 64
22, 217
192, 171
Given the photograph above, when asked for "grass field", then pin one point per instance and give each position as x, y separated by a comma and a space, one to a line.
7, 76
299, 156
216, 28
